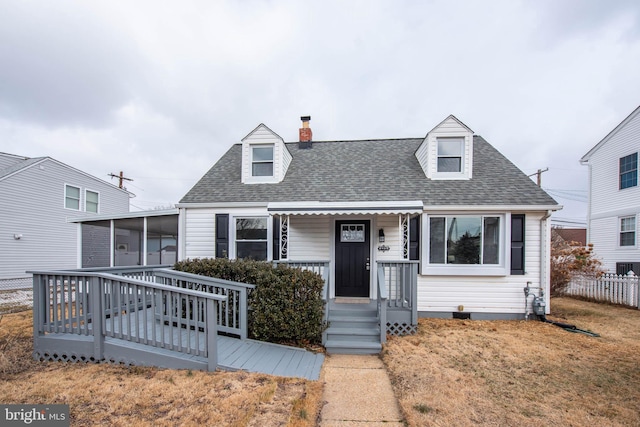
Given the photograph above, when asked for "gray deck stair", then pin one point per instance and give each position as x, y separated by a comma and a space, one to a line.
353, 329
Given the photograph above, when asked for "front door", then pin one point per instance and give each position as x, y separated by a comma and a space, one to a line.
352, 258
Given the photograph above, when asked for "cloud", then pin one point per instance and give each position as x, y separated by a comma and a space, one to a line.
161, 90
63, 64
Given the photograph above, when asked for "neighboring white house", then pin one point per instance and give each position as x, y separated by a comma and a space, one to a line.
38, 198
614, 196
475, 225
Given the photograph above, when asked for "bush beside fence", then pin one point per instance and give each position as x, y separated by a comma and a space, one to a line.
617, 289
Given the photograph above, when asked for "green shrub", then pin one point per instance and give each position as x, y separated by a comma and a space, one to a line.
286, 305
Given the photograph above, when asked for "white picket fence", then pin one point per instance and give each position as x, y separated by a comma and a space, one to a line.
614, 288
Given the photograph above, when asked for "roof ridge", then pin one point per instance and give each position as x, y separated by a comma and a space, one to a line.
363, 140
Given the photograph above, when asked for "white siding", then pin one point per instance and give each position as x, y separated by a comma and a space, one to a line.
485, 294
607, 201
427, 153
309, 238
281, 156
200, 233
392, 238
32, 204
605, 231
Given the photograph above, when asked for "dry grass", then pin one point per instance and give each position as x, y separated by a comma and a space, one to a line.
463, 373
134, 396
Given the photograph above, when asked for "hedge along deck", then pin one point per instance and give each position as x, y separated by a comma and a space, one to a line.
130, 318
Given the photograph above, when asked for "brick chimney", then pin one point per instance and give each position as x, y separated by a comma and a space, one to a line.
305, 133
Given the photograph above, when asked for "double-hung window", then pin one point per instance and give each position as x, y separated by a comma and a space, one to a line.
450, 154
464, 240
72, 197
251, 238
262, 160
628, 231
91, 201
629, 171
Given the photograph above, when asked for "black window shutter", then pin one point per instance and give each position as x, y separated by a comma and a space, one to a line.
414, 238
276, 238
517, 244
222, 235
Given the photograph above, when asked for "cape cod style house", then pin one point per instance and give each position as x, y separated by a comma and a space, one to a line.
440, 226
38, 198
614, 197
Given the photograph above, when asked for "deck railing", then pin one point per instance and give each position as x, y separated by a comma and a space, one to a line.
86, 303
398, 282
232, 313
383, 296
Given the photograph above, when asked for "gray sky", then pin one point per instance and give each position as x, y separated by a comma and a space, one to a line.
160, 90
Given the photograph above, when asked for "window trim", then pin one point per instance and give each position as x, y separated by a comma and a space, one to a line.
635, 232
634, 171
252, 147
500, 269
233, 240
461, 143
66, 196
86, 201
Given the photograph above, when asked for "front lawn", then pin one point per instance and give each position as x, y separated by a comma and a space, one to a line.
102, 394
508, 373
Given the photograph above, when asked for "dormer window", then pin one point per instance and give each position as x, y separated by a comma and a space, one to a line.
265, 157
450, 152
447, 151
262, 160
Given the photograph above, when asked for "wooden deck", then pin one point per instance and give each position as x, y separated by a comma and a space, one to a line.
267, 358
233, 353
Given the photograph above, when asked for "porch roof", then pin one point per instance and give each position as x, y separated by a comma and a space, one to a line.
346, 208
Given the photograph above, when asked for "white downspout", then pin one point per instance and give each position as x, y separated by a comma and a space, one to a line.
589, 205
112, 243
182, 214
545, 259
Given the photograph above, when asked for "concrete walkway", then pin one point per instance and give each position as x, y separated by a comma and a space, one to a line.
358, 392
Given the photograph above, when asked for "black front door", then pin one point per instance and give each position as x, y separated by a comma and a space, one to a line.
352, 258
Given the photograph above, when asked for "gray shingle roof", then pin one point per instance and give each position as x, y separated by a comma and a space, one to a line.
371, 170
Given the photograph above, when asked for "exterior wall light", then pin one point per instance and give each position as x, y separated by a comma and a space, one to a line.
381, 235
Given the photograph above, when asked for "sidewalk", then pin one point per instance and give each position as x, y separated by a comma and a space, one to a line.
358, 392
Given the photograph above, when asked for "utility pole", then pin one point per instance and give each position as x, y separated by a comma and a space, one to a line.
121, 178
539, 173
